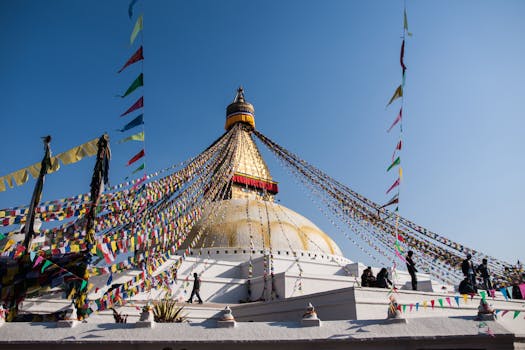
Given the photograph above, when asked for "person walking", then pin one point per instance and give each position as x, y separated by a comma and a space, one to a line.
196, 288
484, 272
411, 266
467, 267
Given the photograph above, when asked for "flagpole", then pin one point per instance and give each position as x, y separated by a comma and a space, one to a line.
28, 228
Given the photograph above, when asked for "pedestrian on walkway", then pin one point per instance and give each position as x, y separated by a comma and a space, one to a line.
196, 288
484, 272
411, 266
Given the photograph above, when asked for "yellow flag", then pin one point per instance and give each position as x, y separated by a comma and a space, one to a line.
9, 180
397, 94
400, 172
20, 176
2, 184
136, 137
136, 30
8, 245
465, 297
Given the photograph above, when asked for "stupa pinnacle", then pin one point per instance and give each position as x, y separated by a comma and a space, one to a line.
240, 111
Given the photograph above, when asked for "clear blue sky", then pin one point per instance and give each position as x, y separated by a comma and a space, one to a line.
319, 74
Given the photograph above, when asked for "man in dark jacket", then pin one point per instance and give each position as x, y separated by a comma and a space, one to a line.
467, 267
196, 288
484, 272
411, 266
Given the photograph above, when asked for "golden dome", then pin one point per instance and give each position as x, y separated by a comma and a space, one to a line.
240, 111
230, 223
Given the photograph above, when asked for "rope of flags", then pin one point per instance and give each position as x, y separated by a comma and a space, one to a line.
70, 156
138, 82
396, 159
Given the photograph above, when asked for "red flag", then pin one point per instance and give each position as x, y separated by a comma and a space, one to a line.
402, 56
136, 105
137, 56
398, 148
398, 119
136, 157
395, 184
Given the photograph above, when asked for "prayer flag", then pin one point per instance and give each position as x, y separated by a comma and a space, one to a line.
397, 94
83, 285
136, 29
398, 148
448, 301
137, 56
130, 8
440, 301
141, 167
397, 120
405, 22
45, 266
393, 200
456, 298
394, 185
138, 104
110, 279
38, 261
136, 157
135, 122
135, 137
138, 82
516, 313
522, 290
394, 163
400, 172
432, 303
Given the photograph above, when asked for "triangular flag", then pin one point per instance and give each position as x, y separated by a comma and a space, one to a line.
32, 256
136, 137
448, 301
83, 285
465, 297
394, 163
38, 261
141, 167
136, 157
393, 200
440, 301
138, 82
139, 120
138, 104
45, 266
400, 173
397, 94
130, 8
482, 294
110, 279
417, 306
395, 184
516, 313
405, 22
136, 29
432, 303
411, 305
504, 313
398, 148
137, 56
456, 298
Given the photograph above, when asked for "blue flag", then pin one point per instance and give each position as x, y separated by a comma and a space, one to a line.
135, 122
130, 8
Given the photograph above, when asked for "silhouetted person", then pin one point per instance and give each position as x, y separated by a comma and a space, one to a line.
367, 278
382, 280
467, 267
484, 272
411, 266
196, 288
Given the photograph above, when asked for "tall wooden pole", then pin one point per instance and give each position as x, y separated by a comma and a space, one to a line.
99, 178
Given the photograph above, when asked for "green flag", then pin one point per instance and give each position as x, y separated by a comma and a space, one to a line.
396, 162
138, 169
136, 29
134, 85
45, 266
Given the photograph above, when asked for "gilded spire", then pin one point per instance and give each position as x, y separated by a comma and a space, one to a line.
240, 111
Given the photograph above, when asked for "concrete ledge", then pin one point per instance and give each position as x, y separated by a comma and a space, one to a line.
226, 324
145, 324
305, 322
396, 320
67, 323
